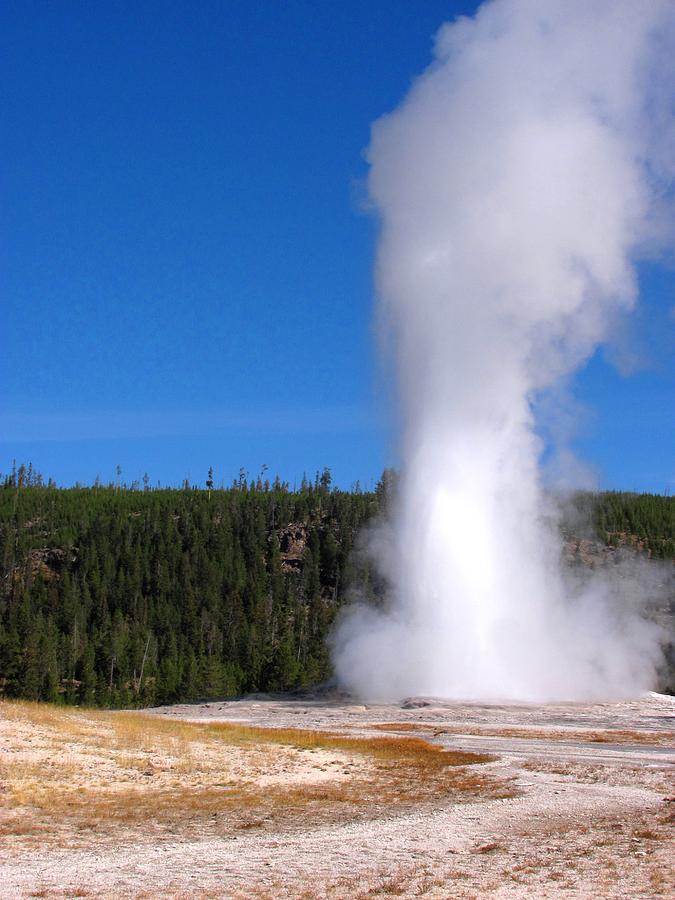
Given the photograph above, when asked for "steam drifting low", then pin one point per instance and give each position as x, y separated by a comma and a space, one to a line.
517, 184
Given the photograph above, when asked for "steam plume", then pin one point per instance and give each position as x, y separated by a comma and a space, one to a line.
517, 184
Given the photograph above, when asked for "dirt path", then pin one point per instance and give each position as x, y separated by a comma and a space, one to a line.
590, 819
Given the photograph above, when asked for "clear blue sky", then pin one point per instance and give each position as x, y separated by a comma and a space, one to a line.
185, 262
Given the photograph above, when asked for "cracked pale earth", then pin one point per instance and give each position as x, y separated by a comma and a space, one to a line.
320, 797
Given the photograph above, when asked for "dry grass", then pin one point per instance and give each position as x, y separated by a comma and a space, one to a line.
633, 849
608, 736
659, 738
409, 881
136, 731
65, 772
659, 779
490, 847
424, 754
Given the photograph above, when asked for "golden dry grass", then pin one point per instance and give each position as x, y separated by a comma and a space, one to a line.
607, 850
66, 771
659, 779
412, 880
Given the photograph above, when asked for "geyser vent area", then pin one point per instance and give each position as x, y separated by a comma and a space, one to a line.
517, 184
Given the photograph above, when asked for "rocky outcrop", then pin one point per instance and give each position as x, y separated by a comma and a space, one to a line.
292, 543
46, 562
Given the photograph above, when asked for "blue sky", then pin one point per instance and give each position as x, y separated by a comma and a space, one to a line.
186, 266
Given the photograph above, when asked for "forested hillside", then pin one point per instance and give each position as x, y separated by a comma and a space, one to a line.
644, 521
118, 596
125, 595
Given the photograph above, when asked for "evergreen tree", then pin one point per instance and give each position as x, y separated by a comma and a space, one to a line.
116, 596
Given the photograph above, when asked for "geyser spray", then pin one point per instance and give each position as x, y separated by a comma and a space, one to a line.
517, 184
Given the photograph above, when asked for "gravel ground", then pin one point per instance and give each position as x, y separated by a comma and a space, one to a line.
592, 817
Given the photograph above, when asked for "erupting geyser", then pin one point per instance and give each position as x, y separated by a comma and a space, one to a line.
517, 184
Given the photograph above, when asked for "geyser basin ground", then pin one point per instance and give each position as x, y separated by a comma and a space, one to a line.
571, 800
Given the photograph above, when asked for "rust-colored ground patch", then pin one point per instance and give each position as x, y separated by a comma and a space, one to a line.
608, 736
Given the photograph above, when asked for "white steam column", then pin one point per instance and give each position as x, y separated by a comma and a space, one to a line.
517, 184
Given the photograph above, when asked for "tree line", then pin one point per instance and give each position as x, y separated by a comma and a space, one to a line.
127, 595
